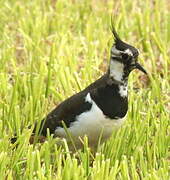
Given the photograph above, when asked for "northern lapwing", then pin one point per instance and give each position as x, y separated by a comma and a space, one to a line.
102, 106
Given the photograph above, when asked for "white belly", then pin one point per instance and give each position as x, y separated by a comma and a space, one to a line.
93, 124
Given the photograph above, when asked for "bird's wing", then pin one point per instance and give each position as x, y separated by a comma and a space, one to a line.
69, 109
64, 112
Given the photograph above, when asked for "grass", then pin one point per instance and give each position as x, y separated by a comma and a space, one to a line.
52, 49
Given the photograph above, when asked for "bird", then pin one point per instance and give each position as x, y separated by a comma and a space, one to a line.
101, 107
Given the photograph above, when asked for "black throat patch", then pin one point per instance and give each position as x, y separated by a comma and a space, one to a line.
108, 99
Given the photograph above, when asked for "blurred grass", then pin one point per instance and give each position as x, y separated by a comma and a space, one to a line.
50, 50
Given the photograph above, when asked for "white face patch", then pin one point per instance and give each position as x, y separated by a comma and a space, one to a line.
116, 70
115, 51
93, 124
123, 90
129, 52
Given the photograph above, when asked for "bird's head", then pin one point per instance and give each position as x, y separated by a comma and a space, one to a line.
124, 59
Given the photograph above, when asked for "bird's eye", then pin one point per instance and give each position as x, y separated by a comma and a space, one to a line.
125, 56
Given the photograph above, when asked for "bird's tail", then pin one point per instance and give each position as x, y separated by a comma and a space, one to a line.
35, 136
13, 139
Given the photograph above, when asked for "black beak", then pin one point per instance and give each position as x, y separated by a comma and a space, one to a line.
138, 66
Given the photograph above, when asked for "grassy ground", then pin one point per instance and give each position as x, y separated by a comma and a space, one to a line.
51, 49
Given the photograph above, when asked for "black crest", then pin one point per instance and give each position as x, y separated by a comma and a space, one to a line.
121, 45
115, 35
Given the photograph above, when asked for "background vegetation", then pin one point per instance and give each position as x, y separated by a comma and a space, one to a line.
52, 49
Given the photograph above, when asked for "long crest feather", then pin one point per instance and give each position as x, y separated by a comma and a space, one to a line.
116, 36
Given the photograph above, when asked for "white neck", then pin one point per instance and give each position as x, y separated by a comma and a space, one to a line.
116, 70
